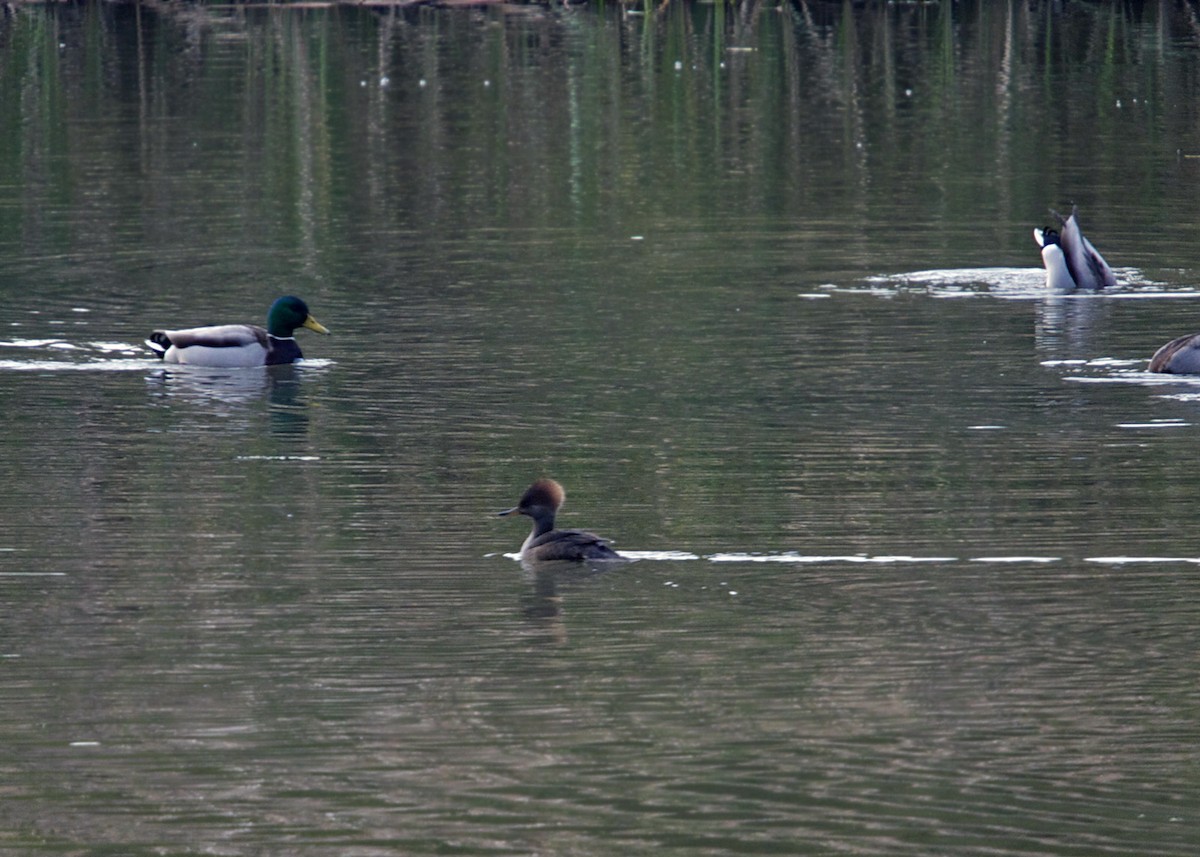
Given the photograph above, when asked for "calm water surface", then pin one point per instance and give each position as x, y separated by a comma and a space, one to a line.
916, 568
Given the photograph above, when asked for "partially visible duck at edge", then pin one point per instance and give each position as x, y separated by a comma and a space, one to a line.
1071, 261
239, 345
1180, 356
541, 502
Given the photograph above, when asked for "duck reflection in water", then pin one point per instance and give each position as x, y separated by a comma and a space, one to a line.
1066, 329
214, 389
544, 603
289, 410
541, 502
230, 393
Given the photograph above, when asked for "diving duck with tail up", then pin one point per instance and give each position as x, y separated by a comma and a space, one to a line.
1072, 263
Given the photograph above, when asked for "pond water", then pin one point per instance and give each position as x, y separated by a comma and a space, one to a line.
914, 568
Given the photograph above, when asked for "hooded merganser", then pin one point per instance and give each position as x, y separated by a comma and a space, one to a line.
1180, 356
1070, 259
541, 502
239, 345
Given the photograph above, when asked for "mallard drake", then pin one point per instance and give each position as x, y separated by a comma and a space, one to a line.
541, 502
1180, 356
234, 345
1070, 259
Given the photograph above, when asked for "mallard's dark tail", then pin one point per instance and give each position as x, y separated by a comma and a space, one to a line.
158, 343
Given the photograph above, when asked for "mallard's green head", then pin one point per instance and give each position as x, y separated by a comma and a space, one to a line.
288, 313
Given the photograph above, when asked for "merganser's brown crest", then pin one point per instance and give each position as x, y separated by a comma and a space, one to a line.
541, 502
544, 492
